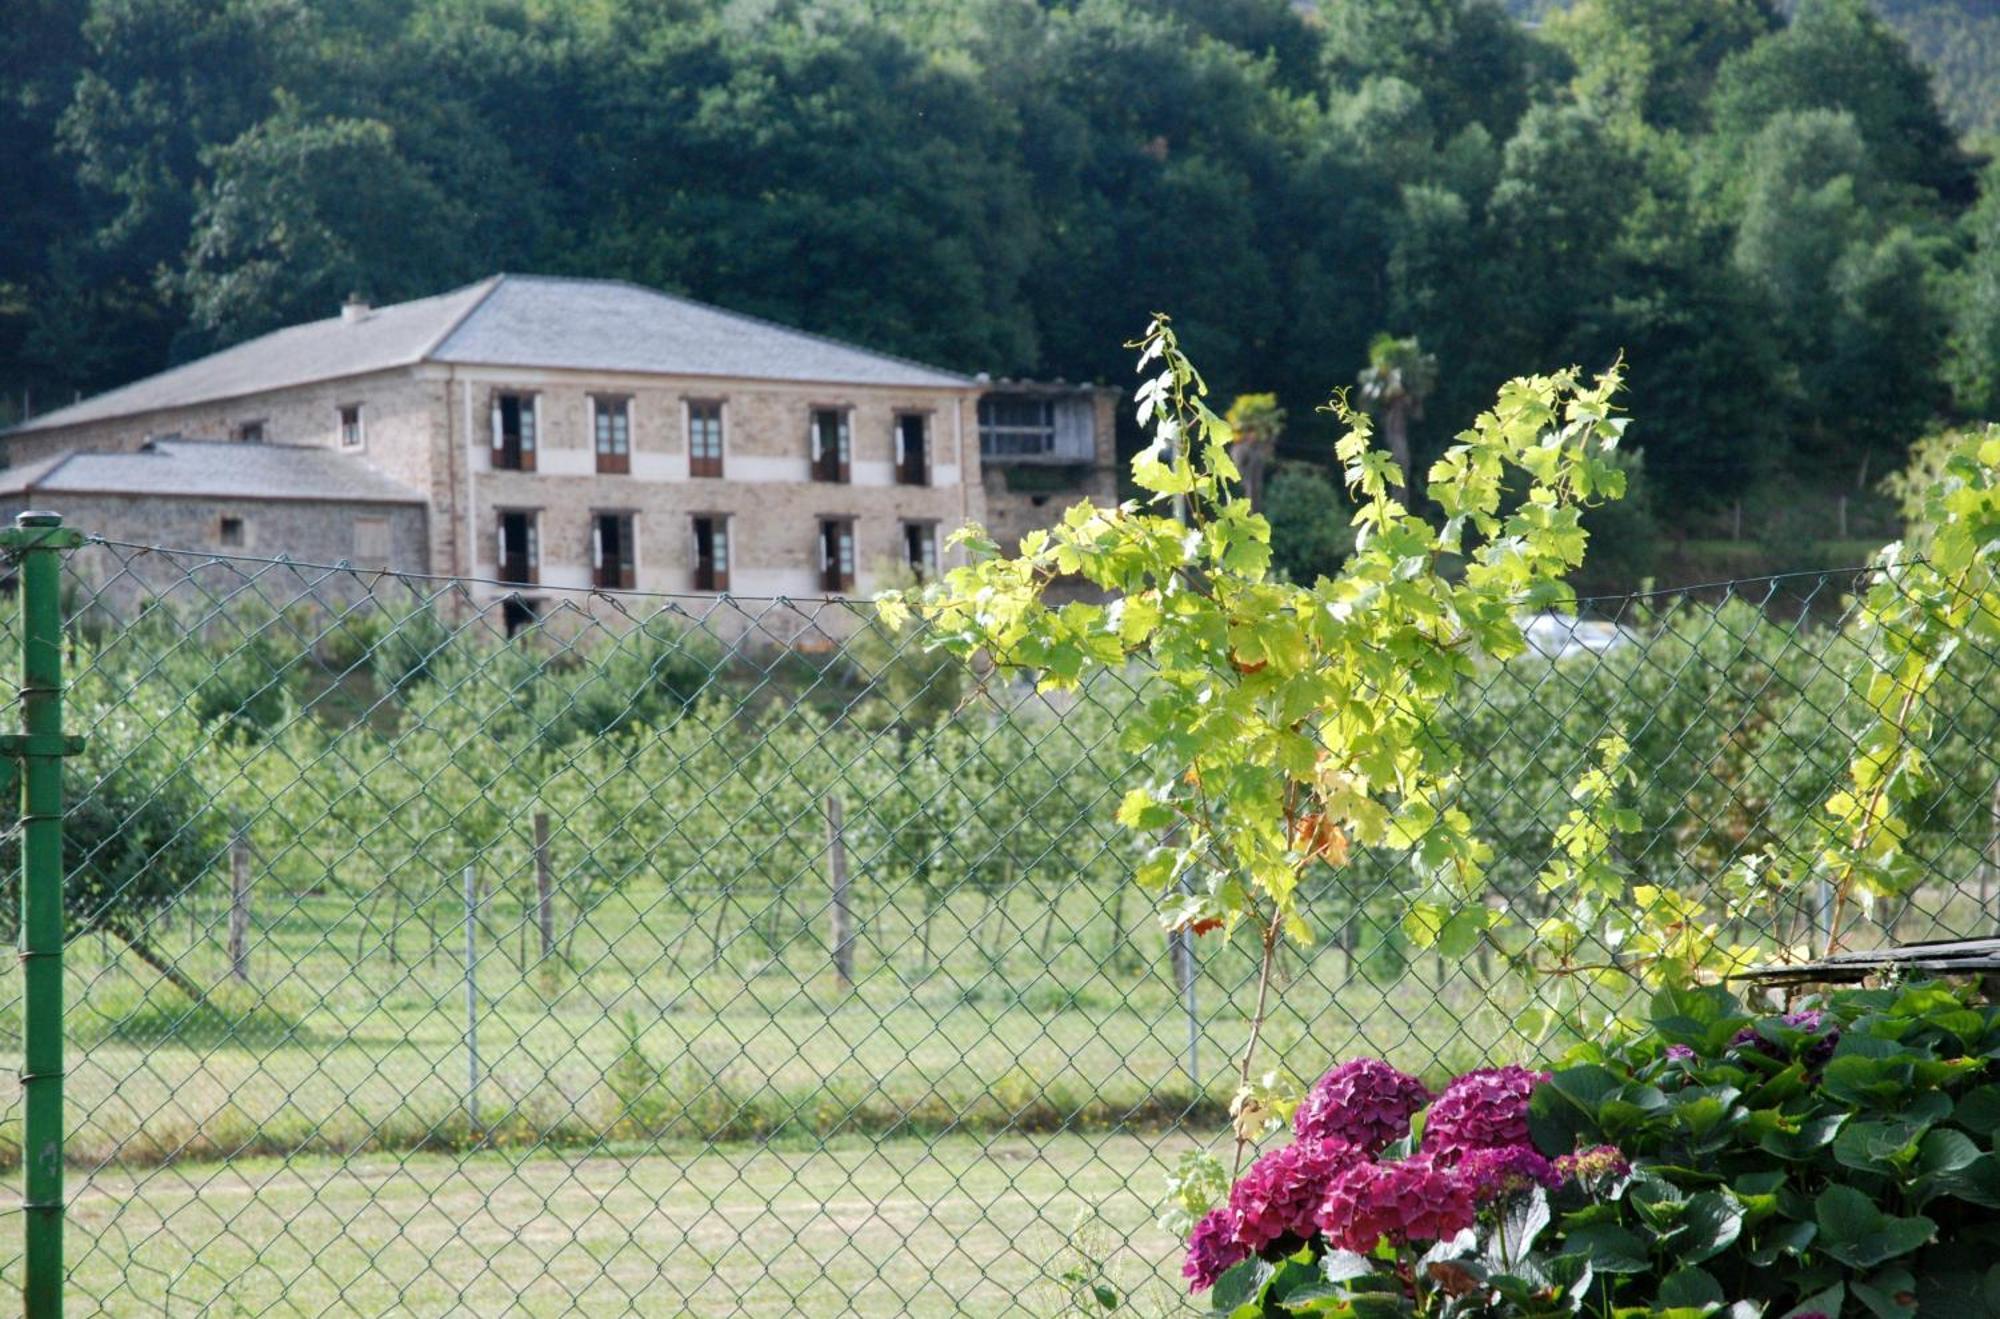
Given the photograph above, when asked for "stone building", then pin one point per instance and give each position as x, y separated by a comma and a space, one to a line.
1042, 447
577, 436
233, 499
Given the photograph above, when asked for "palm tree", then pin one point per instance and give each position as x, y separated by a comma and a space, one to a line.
1399, 376
1258, 421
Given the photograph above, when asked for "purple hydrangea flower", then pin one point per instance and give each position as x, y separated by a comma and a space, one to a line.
1407, 1201
1275, 1199
1486, 1109
1213, 1249
1364, 1102
1598, 1164
1495, 1174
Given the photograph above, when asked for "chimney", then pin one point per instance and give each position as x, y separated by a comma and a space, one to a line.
354, 308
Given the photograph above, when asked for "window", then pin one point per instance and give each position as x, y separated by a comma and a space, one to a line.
1015, 425
351, 434
514, 432
614, 547
711, 552
832, 444
519, 614
704, 438
920, 548
252, 432
519, 547
232, 533
371, 542
611, 421
836, 555
913, 457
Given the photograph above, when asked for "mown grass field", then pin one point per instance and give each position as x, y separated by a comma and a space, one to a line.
685, 1114
956, 1226
666, 1121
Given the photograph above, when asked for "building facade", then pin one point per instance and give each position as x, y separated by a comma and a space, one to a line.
584, 435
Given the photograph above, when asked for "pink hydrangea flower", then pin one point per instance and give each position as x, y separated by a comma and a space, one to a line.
1407, 1201
1599, 1163
1277, 1196
1213, 1249
1364, 1102
1495, 1174
1486, 1109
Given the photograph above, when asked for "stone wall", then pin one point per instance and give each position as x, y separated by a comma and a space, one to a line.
310, 532
430, 428
766, 491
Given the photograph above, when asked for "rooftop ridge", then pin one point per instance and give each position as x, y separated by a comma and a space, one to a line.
685, 300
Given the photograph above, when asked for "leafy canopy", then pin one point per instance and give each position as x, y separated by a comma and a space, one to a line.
1290, 721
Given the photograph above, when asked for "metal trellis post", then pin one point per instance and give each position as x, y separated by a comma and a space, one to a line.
35, 757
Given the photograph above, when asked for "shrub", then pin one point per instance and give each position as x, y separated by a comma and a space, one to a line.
1834, 1159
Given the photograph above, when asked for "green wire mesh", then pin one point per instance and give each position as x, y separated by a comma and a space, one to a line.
435, 953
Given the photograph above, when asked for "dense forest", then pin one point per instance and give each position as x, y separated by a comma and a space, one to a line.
1761, 205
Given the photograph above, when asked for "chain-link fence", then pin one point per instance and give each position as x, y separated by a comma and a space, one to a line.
432, 953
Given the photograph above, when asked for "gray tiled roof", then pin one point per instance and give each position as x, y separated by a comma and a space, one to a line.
212, 469
298, 354
605, 325
515, 320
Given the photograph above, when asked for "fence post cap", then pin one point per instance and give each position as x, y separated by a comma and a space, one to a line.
32, 518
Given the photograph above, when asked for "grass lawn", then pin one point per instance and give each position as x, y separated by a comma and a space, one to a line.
923, 1143
955, 1226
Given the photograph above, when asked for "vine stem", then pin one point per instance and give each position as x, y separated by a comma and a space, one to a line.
1271, 932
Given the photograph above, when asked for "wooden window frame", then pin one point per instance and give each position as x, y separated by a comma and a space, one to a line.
528, 428
614, 452
358, 427
532, 551
837, 467
241, 524
1007, 440
837, 569
624, 574
711, 571
928, 568
704, 465
912, 469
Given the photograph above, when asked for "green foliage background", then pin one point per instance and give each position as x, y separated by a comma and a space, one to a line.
1763, 206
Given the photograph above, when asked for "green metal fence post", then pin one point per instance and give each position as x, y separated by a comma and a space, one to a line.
35, 543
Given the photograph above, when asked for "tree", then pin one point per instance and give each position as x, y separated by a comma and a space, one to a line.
1838, 55
1399, 376
1975, 295
301, 210
1290, 724
1848, 294
789, 157
164, 81
1311, 531
1257, 421
1473, 63
1652, 62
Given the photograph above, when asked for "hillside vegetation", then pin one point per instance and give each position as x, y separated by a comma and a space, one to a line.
1766, 212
